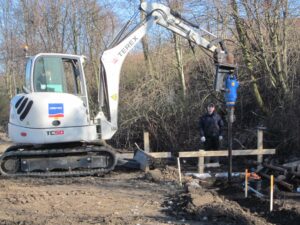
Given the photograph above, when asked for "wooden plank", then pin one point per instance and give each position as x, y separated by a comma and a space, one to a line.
225, 153
158, 155
212, 165
254, 152
125, 155
190, 154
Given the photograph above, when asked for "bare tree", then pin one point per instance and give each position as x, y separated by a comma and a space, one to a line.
263, 39
145, 44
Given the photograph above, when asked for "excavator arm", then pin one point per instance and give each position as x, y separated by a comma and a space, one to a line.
113, 58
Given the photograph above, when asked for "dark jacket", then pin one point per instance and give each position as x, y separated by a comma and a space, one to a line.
211, 125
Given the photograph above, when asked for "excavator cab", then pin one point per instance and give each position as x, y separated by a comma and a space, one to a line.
54, 73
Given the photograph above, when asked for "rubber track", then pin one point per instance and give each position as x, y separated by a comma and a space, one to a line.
55, 152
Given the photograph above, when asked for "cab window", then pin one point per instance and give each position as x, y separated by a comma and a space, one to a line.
56, 74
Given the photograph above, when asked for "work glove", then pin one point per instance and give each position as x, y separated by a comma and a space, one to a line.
220, 138
203, 139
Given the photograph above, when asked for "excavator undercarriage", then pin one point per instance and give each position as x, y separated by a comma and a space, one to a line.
71, 159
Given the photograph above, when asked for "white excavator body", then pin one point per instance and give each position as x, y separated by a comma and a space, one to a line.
55, 107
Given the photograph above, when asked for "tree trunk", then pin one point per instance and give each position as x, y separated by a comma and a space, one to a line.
179, 62
247, 55
146, 48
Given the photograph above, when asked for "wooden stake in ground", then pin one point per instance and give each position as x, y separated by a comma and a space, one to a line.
246, 183
146, 142
179, 170
260, 146
201, 162
271, 192
146, 147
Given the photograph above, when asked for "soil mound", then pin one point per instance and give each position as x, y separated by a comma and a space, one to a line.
167, 174
208, 207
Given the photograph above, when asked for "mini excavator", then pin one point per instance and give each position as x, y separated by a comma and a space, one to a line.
51, 122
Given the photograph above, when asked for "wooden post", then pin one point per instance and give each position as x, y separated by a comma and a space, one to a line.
179, 170
246, 183
146, 146
146, 142
201, 162
271, 192
259, 146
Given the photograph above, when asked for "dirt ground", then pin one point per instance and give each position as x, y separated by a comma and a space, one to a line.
217, 202
134, 197
120, 198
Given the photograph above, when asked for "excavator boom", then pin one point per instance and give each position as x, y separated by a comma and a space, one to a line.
113, 58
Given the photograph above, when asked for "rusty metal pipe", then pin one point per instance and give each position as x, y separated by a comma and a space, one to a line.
285, 170
288, 186
278, 168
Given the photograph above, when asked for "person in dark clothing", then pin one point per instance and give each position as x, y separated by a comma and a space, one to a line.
211, 125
